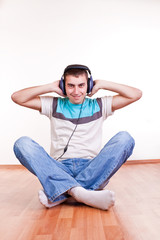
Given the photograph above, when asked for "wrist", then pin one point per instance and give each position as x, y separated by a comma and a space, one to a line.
51, 87
99, 84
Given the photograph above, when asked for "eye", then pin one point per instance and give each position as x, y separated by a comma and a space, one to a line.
70, 85
81, 85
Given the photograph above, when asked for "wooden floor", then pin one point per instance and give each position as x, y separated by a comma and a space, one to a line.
135, 216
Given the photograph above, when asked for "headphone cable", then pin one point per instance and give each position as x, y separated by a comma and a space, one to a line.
66, 147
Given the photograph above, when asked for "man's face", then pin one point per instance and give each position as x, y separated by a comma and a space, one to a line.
76, 88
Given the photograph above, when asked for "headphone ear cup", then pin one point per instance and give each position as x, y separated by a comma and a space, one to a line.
90, 84
62, 85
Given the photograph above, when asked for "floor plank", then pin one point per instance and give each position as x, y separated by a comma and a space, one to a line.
138, 201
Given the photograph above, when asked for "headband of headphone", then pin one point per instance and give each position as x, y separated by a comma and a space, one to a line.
76, 66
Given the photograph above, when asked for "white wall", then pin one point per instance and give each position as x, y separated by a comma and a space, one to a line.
118, 39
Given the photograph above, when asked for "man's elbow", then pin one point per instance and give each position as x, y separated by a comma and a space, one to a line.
15, 98
139, 94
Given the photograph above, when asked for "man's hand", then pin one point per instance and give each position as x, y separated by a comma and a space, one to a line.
126, 94
56, 88
97, 84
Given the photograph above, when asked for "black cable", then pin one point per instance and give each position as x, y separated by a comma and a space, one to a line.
66, 147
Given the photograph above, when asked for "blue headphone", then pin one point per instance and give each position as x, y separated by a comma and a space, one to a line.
76, 66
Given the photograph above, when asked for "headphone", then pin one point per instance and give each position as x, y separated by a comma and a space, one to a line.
76, 66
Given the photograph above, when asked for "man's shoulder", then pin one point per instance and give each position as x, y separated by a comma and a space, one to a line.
94, 102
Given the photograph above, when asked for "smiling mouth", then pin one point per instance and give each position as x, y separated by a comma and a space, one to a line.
76, 96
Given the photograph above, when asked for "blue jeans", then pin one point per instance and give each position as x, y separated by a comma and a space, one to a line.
58, 177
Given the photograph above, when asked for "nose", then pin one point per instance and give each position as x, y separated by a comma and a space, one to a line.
76, 90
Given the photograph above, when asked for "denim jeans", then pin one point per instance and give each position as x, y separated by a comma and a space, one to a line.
58, 177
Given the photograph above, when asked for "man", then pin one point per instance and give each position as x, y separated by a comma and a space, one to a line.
76, 167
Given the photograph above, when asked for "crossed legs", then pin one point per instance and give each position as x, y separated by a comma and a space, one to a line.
58, 180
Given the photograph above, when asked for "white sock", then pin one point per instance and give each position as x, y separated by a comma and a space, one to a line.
102, 199
44, 200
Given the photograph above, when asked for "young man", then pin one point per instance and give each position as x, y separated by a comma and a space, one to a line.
76, 165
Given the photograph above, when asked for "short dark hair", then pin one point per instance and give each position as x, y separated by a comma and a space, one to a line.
76, 72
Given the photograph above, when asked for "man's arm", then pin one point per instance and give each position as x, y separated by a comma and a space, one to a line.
30, 97
126, 94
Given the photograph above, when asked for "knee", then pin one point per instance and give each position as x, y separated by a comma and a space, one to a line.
23, 151
21, 143
126, 138
127, 144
